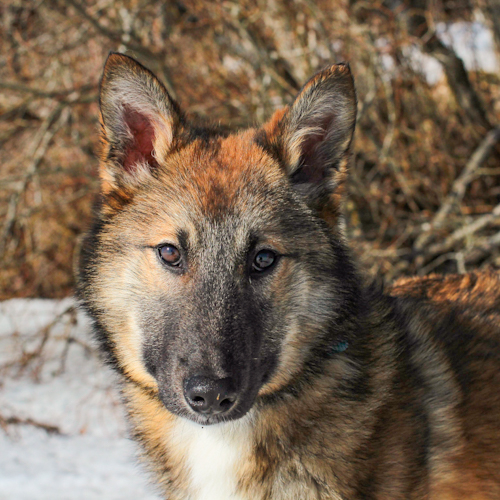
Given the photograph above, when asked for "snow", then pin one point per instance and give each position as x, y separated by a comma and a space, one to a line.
65, 386
472, 41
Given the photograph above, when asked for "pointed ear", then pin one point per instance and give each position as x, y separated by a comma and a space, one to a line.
139, 122
311, 137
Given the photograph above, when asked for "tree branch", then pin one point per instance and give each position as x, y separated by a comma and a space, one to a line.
43, 93
459, 187
454, 68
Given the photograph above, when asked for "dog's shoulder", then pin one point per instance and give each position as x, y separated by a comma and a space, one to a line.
474, 295
461, 312
461, 288
456, 320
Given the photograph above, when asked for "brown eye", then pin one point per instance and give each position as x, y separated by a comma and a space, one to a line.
264, 260
170, 255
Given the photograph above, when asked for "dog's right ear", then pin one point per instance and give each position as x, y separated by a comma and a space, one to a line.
139, 121
311, 139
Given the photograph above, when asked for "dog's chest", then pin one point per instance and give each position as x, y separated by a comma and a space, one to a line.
213, 455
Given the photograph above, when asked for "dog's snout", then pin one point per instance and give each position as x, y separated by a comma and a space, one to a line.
208, 396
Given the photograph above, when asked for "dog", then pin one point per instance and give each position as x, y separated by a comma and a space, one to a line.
254, 361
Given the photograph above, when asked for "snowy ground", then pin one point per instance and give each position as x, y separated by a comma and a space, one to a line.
62, 430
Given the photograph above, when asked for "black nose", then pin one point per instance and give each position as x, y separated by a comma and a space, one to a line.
208, 396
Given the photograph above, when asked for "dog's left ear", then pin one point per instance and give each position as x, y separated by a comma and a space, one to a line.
311, 137
140, 122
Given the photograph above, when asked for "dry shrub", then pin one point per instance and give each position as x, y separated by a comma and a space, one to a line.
236, 62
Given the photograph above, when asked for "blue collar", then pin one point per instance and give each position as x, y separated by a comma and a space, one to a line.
339, 347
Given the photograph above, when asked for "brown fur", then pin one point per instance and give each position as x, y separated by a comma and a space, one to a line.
410, 410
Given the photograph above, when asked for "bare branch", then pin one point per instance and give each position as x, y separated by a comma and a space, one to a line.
39, 147
456, 74
127, 40
464, 231
485, 248
13, 420
457, 191
43, 93
477, 159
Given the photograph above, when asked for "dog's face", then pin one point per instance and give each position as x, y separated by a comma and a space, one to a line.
212, 271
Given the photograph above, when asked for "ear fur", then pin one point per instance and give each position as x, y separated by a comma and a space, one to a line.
311, 137
139, 120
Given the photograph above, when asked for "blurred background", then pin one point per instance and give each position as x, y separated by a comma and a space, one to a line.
424, 189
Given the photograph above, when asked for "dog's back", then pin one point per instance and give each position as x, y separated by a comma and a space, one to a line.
461, 317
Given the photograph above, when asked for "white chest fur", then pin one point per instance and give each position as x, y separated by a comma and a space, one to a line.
213, 455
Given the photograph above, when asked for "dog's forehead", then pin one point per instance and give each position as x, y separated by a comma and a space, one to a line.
228, 176
227, 189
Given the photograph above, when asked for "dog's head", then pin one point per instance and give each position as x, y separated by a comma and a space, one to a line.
214, 271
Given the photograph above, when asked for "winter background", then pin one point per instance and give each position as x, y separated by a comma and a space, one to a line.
68, 439
63, 434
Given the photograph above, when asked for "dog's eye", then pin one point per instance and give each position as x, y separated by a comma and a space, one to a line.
170, 255
264, 260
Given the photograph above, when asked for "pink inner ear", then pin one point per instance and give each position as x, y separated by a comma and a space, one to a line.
313, 168
140, 148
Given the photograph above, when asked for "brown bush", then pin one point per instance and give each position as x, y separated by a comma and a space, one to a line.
420, 200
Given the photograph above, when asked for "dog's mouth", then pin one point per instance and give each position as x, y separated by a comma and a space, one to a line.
240, 407
197, 395
212, 419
